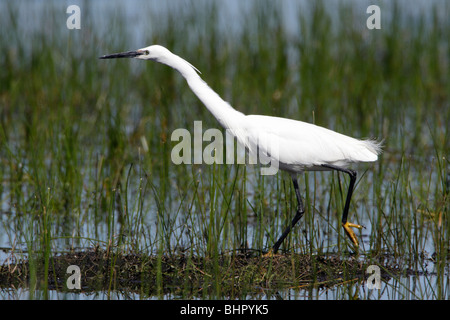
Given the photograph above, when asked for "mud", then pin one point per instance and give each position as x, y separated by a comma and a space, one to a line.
185, 275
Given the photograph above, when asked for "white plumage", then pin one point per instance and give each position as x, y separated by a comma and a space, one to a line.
304, 146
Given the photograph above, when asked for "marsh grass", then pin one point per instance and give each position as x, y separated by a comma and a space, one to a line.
85, 145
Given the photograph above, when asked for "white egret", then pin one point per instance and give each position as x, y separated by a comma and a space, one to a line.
300, 146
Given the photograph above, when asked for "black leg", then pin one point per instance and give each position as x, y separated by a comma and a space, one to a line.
351, 186
298, 215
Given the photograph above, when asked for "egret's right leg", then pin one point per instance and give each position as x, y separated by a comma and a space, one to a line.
298, 215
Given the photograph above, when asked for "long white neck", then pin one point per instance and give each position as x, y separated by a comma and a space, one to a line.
227, 116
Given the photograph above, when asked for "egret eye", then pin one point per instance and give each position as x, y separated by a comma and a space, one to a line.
146, 52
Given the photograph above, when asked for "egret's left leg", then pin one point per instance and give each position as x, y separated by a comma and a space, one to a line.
348, 225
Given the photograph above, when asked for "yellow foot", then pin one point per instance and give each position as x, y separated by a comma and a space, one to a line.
350, 232
268, 254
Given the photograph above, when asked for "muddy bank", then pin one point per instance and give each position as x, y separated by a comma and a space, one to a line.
231, 274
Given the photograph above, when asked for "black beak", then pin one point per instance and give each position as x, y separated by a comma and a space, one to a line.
128, 54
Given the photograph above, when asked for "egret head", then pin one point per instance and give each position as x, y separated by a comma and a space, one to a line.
159, 54
155, 52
